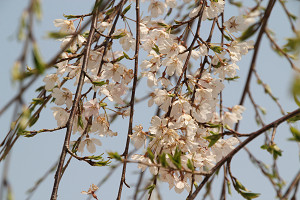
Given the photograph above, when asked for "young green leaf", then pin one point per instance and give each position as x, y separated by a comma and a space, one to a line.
150, 188
115, 155
216, 49
57, 35
190, 165
296, 134
213, 139
126, 9
163, 160
150, 155
99, 83
37, 59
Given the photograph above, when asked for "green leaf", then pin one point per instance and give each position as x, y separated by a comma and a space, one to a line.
296, 134
150, 155
126, 56
21, 33
177, 155
38, 101
156, 49
176, 159
294, 17
249, 195
227, 38
237, 4
293, 44
57, 35
268, 89
213, 138
80, 122
190, 165
110, 11
294, 119
37, 9
115, 155
24, 119
99, 83
242, 190
118, 36
103, 104
163, 160
100, 161
296, 89
214, 125
10, 194
232, 79
177, 22
162, 24
119, 58
216, 49
126, 9
272, 149
16, 71
239, 185
150, 188
262, 110
70, 16
37, 59
101, 6
250, 31
33, 120
229, 187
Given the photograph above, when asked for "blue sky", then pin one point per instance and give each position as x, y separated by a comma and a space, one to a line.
32, 157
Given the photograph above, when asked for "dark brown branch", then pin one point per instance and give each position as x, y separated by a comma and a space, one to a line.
255, 53
132, 101
74, 107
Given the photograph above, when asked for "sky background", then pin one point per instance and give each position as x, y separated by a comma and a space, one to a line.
32, 157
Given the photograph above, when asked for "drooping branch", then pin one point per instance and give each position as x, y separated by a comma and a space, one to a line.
241, 145
132, 101
75, 105
264, 22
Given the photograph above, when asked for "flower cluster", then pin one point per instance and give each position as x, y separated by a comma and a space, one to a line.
188, 97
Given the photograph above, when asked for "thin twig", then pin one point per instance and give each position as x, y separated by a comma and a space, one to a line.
132, 101
255, 53
74, 107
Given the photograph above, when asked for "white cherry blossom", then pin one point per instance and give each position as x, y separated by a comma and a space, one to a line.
90, 144
63, 96
50, 81
138, 137
173, 64
235, 24
61, 116
156, 8
91, 107
66, 26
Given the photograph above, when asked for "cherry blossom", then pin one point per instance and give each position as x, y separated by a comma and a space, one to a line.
91, 108
61, 116
66, 26
90, 144
63, 96
235, 24
51, 80
156, 8
189, 100
138, 137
